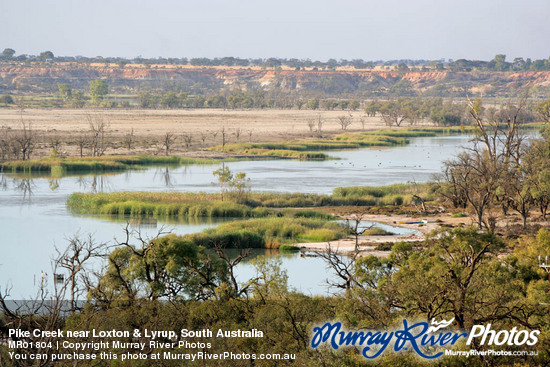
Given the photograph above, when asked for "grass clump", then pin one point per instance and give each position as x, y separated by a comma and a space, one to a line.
377, 231
289, 248
396, 194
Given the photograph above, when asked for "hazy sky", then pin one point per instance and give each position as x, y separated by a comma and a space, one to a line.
315, 29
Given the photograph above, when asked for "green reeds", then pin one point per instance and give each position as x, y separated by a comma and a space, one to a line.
176, 204
269, 232
305, 149
58, 166
255, 205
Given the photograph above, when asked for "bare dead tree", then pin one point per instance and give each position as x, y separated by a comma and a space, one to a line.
55, 142
250, 132
24, 140
47, 309
5, 144
98, 129
237, 134
311, 124
344, 121
187, 139
499, 133
320, 125
224, 135
75, 259
204, 136
354, 224
82, 141
129, 139
343, 266
237, 289
168, 140
363, 121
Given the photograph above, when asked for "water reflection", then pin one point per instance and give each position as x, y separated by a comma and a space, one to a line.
34, 218
164, 175
25, 187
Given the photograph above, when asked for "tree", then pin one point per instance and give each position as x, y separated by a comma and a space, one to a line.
311, 124
459, 275
188, 139
78, 99
320, 123
499, 63
167, 141
75, 259
165, 266
71, 267
24, 141
240, 187
65, 91
6, 99
170, 100
344, 121
46, 55
147, 100
354, 105
372, 108
537, 164
98, 90
98, 129
393, 113
313, 104
476, 176
491, 170
223, 133
237, 186
225, 177
129, 139
543, 110
8, 53
354, 224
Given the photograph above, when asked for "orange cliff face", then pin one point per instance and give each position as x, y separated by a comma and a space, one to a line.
43, 78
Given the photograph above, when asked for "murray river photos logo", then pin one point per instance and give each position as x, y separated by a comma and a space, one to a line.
426, 340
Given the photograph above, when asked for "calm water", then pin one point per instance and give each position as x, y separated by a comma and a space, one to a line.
34, 219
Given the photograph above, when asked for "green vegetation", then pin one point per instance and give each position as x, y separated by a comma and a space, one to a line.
58, 166
377, 231
178, 204
158, 205
269, 232
308, 149
501, 172
289, 248
489, 279
98, 90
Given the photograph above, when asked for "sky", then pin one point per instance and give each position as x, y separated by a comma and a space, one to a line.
314, 29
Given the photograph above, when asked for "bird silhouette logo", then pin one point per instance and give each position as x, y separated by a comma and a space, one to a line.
439, 325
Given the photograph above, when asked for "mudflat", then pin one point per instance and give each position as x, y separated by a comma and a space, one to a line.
149, 127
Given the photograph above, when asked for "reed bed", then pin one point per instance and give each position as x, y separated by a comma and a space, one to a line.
269, 232
57, 165
306, 149
176, 204
254, 205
